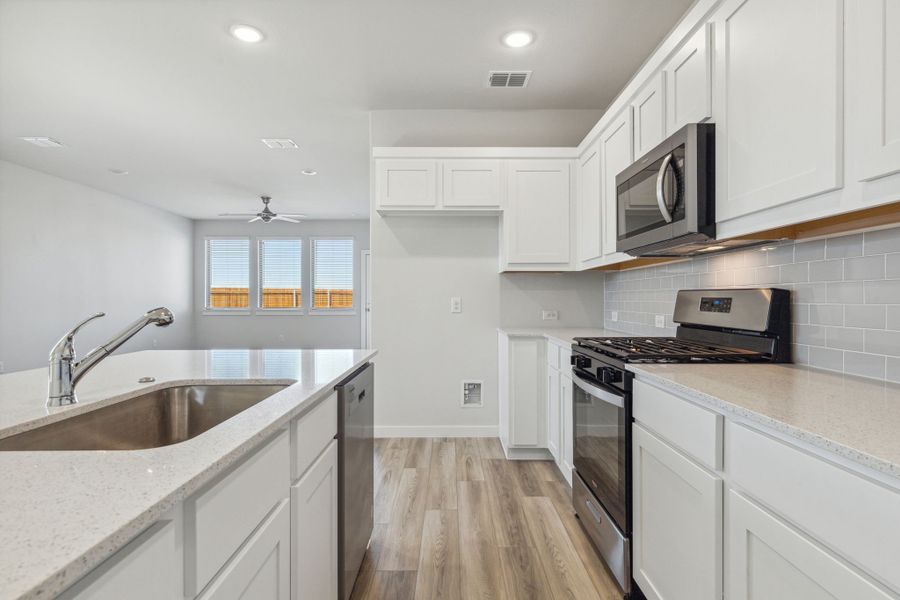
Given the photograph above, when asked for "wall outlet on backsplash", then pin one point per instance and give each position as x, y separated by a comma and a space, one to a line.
614, 317
660, 321
550, 315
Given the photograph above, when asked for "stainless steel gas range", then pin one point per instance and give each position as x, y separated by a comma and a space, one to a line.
724, 325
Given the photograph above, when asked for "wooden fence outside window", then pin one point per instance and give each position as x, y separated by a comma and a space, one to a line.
279, 298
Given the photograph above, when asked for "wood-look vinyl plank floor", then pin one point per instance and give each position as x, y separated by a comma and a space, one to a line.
455, 519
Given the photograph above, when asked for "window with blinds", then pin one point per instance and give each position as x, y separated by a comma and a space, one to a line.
227, 273
280, 272
332, 273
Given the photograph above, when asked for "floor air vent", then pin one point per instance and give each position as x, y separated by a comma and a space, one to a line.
471, 394
508, 79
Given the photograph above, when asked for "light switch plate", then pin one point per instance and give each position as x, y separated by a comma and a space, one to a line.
550, 315
661, 321
455, 304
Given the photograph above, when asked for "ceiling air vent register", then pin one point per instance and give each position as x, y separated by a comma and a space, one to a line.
508, 79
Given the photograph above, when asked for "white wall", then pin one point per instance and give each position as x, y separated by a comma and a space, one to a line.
68, 250
278, 331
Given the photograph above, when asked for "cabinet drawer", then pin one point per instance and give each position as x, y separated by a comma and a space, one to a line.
553, 355
858, 518
313, 432
689, 427
220, 518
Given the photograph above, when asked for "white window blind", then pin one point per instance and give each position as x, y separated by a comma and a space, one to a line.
280, 272
228, 273
332, 277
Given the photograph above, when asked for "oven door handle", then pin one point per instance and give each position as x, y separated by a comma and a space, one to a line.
599, 393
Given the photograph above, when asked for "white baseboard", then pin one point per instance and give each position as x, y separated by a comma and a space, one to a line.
528, 454
418, 431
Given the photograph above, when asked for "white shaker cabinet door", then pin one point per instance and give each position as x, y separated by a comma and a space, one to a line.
471, 183
589, 204
677, 523
649, 109
260, 570
616, 153
314, 503
406, 183
688, 77
553, 413
768, 560
779, 114
537, 219
567, 443
876, 37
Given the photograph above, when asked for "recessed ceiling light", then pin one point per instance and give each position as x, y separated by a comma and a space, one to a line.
309, 172
43, 142
280, 143
246, 33
518, 39
118, 171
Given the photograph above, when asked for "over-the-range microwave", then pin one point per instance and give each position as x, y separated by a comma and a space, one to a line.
666, 200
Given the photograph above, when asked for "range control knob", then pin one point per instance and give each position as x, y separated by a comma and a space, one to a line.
580, 362
610, 375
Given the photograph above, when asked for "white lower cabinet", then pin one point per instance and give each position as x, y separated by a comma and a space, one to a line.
314, 533
554, 431
261, 568
523, 397
566, 461
769, 560
677, 523
148, 568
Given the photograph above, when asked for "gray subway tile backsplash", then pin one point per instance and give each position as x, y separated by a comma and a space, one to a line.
846, 296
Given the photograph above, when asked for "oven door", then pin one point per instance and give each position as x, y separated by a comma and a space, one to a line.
601, 446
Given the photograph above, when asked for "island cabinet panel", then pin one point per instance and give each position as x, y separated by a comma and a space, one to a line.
677, 523
241, 499
769, 560
876, 30
148, 568
688, 77
261, 568
314, 536
313, 432
779, 113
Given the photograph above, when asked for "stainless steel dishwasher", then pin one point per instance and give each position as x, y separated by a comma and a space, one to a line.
356, 455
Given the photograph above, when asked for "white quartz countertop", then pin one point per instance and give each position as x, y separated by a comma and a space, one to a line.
63, 513
855, 417
562, 335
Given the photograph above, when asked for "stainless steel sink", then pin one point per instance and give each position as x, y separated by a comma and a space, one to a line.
160, 418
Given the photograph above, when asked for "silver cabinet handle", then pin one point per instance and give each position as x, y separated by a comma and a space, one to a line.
660, 194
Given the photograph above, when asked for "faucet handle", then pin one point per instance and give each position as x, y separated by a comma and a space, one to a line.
64, 347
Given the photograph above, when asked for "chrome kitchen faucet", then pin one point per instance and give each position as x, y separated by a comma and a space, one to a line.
65, 373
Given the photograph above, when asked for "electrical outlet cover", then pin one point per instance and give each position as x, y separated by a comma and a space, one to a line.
455, 304
550, 315
660, 321
615, 316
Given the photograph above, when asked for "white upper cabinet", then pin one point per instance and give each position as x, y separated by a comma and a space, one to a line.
537, 218
876, 29
406, 183
471, 183
616, 153
649, 110
779, 87
688, 82
589, 217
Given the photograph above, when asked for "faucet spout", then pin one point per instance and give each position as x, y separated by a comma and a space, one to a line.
65, 372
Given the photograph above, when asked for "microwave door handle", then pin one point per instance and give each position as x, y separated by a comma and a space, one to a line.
598, 393
660, 193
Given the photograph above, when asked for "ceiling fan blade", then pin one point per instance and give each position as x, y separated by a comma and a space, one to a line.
284, 218
254, 219
237, 214
293, 215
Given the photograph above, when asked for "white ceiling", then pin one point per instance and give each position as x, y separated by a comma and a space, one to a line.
159, 88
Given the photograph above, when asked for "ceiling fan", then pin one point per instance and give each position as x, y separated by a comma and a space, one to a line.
265, 215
